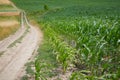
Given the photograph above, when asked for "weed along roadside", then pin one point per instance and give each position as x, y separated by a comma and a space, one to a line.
81, 39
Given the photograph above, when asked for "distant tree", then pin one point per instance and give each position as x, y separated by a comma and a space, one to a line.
46, 7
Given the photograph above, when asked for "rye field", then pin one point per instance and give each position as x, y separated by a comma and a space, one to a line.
80, 36
9, 19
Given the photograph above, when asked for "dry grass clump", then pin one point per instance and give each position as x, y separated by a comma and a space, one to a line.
6, 31
8, 26
9, 13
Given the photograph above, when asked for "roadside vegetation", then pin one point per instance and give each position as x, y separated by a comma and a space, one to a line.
81, 35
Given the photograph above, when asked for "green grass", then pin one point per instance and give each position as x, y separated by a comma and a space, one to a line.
96, 38
25, 77
45, 57
3, 6
36, 5
6, 8
89, 27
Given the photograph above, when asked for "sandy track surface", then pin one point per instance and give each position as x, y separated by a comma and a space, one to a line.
14, 58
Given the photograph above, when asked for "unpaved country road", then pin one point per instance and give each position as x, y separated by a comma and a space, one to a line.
14, 58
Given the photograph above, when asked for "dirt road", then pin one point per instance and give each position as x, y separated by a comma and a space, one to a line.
14, 57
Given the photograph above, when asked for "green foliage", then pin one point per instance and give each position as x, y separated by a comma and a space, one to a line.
85, 75
64, 53
46, 7
6, 8
36, 5
94, 26
45, 61
25, 77
96, 41
39, 66
29, 70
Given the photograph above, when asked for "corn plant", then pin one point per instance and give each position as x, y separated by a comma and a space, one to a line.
39, 73
93, 43
64, 53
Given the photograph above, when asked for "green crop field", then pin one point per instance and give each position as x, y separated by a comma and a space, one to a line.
82, 34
